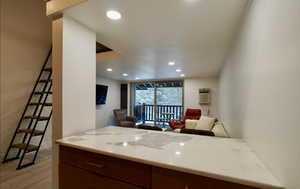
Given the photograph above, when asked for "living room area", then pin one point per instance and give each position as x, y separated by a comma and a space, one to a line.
175, 103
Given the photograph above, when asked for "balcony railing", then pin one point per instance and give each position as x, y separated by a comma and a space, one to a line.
159, 114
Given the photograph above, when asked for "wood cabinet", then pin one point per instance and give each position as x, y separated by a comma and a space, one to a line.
164, 178
80, 169
75, 178
114, 168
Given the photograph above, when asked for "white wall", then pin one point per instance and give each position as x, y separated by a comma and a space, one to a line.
191, 93
79, 77
259, 88
104, 113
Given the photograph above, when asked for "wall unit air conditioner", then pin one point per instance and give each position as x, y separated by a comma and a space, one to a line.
204, 96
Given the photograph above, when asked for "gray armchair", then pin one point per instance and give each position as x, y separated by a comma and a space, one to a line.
123, 120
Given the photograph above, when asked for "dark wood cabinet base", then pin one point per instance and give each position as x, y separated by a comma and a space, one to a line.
164, 178
80, 169
74, 178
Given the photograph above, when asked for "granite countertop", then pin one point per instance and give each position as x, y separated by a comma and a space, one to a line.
220, 158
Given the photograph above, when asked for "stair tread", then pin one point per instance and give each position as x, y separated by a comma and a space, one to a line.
45, 80
23, 146
36, 103
40, 93
29, 131
48, 69
41, 118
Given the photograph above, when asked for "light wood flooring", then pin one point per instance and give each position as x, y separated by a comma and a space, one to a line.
37, 176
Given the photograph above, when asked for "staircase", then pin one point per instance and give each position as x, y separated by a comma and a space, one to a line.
33, 124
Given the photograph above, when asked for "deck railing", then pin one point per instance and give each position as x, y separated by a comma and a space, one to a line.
158, 113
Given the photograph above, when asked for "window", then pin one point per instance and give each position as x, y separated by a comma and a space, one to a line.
155, 103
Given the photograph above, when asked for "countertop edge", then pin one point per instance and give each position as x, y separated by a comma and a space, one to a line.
176, 168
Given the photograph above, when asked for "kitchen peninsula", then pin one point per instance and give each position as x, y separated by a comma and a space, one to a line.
126, 158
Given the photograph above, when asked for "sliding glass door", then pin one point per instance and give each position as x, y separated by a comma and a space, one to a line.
156, 103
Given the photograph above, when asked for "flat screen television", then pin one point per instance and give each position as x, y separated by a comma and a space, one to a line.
101, 93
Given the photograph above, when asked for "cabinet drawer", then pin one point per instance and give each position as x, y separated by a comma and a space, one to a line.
123, 170
164, 178
76, 178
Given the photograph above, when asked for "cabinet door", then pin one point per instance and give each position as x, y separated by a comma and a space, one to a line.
76, 178
100, 182
70, 177
164, 178
117, 169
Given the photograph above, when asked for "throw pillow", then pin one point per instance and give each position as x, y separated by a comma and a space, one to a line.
190, 124
205, 123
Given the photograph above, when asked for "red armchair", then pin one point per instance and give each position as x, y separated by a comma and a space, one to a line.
189, 114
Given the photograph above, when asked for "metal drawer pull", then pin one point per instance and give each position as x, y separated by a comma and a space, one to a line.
95, 165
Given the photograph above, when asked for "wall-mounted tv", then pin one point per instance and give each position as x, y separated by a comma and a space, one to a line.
101, 93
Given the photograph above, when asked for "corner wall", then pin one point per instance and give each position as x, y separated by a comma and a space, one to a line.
78, 78
25, 42
104, 113
74, 78
259, 86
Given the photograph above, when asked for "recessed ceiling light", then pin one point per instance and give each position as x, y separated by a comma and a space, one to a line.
114, 15
177, 153
178, 70
182, 75
125, 74
191, 1
171, 63
109, 69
